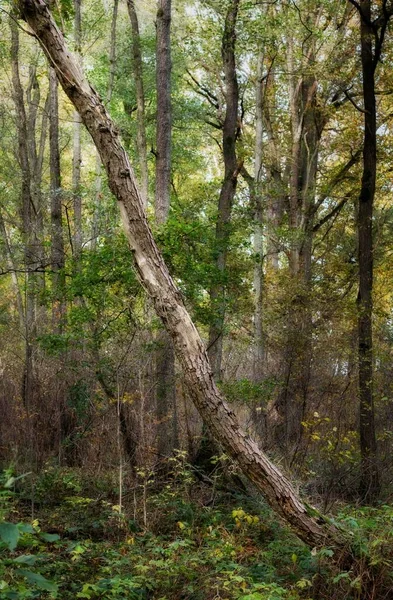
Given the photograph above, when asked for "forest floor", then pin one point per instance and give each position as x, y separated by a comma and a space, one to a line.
182, 540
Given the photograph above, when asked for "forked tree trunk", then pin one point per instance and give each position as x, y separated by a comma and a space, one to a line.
222, 422
228, 188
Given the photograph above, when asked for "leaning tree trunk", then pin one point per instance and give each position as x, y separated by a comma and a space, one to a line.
222, 422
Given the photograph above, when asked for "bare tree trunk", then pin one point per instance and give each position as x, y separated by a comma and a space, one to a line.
140, 99
57, 238
259, 337
111, 81
165, 355
369, 484
280, 494
27, 220
77, 155
228, 189
164, 111
13, 271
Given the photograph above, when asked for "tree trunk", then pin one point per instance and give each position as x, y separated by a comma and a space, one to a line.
259, 338
165, 355
77, 156
306, 125
228, 189
312, 528
164, 111
57, 238
13, 271
369, 484
140, 100
111, 81
28, 382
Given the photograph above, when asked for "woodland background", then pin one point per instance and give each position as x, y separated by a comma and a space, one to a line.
247, 124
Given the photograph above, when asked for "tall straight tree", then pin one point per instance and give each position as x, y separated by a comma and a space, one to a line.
165, 356
372, 35
231, 171
77, 156
256, 184
164, 111
27, 213
109, 92
57, 237
140, 99
167, 299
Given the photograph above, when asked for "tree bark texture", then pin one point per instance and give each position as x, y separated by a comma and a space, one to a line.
168, 303
140, 100
228, 188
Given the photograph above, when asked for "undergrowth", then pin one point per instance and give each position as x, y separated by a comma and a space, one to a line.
183, 541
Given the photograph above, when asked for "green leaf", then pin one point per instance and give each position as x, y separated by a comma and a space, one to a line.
26, 559
49, 537
38, 580
9, 533
26, 528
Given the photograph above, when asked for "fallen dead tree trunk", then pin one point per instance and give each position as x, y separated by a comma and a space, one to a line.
311, 527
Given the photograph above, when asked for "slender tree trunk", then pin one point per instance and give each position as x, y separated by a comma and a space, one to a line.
259, 337
305, 521
57, 237
165, 355
111, 81
77, 154
27, 221
13, 271
140, 99
228, 189
369, 484
164, 111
